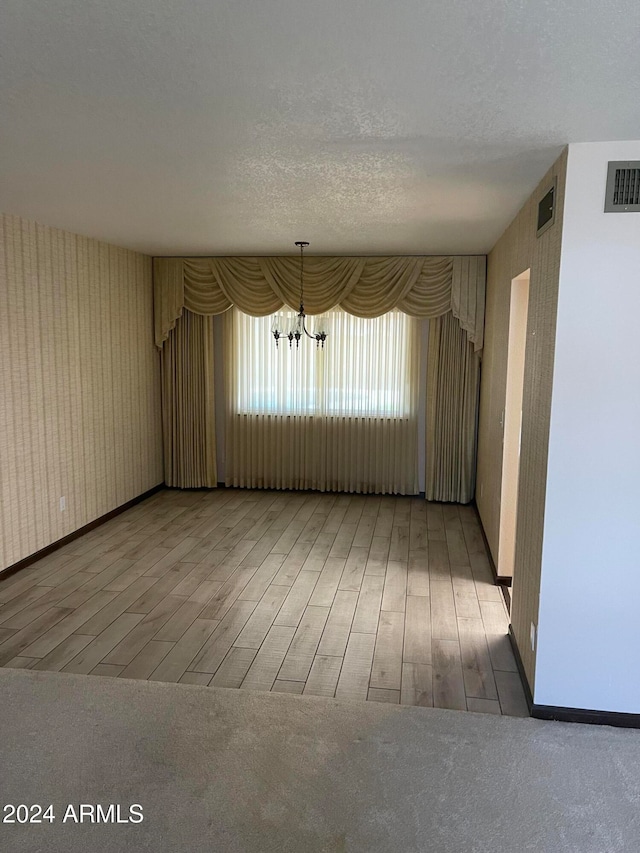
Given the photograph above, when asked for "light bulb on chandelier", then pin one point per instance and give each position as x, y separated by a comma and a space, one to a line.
281, 327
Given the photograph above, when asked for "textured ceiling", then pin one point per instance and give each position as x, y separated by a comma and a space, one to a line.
363, 126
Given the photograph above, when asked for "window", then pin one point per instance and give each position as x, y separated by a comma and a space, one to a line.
365, 370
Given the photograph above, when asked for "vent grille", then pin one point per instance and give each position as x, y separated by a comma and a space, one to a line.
623, 188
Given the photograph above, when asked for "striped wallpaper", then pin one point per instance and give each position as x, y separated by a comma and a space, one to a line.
79, 383
518, 250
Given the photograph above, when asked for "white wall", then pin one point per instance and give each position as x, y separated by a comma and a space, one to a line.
589, 628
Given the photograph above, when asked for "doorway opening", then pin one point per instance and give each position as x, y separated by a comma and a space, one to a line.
512, 423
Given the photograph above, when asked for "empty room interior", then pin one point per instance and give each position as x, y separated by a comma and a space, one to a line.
318, 378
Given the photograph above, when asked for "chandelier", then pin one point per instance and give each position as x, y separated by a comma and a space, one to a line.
283, 327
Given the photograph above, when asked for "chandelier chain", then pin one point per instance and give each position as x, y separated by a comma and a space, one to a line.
301, 273
302, 244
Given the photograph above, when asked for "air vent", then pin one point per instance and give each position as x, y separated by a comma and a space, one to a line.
623, 187
547, 210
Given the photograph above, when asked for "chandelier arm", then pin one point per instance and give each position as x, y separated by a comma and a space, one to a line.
308, 334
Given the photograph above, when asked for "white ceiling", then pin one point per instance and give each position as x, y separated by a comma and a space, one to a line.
363, 126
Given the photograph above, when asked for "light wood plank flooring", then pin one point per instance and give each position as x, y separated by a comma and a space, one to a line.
386, 599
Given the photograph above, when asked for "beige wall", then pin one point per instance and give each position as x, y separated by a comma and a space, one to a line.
79, 383
517, 250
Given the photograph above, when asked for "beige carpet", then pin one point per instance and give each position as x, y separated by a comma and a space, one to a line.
232, 770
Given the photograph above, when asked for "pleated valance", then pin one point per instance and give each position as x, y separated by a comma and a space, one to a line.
422, 286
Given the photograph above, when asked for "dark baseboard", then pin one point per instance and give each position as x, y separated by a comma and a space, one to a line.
32, 558
506, 594
582, 715
501, 580
570, 715
523, 676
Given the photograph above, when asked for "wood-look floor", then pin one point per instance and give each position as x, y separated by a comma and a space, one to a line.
388, 599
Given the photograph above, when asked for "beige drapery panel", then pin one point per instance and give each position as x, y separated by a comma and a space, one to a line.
188, 416
453, 381
422, 286
365, 453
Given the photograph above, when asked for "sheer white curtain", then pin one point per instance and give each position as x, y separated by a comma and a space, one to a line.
341, 418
